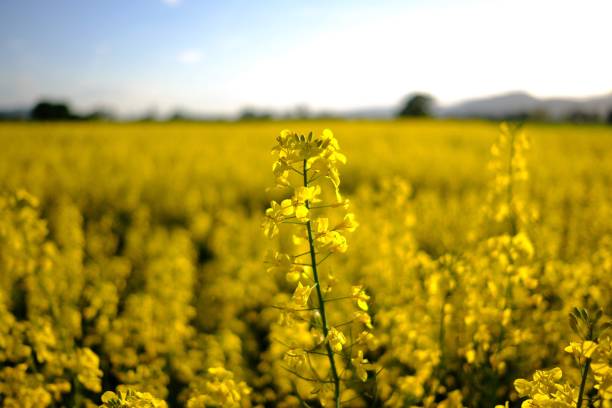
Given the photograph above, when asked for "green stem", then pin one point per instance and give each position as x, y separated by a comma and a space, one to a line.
585, 373
313, 259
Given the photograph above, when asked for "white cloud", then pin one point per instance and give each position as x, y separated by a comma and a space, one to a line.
172, 2
190, 56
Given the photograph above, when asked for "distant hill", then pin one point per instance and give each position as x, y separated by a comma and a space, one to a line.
518, 103
513, 104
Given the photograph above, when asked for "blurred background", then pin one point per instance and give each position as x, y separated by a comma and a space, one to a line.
205, 60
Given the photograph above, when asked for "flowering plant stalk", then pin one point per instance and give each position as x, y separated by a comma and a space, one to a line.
594, 355
315, 161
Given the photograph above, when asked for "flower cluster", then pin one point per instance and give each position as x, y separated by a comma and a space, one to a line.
506, 202
69, 306
593, 353
307, 165
40, 360
220, 389
131, 399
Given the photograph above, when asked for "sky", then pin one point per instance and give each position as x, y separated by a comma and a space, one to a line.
201, 56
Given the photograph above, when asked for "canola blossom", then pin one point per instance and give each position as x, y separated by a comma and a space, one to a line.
593, 354
306, 165
423, 264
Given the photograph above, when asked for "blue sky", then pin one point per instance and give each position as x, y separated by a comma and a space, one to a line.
206, 56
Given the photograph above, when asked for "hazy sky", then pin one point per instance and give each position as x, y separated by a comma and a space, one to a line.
218, 56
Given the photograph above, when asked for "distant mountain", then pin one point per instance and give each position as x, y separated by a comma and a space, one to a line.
519, 103
513, 104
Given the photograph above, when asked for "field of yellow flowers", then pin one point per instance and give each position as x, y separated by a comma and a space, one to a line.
398, 263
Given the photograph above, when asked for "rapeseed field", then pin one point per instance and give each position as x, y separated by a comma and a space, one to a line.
317, 263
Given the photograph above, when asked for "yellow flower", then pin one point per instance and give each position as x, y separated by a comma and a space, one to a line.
581, 349
523, 387
301, 294
361, 365
348, 223
336, 339
544, 383
364, 318
602, 372
332, 241
522, 246
295, 358
219, 389
310, 194
368, 339
278, 262
315, 159
275, 215
358, 294
88, 369
320, 226
131, 399
470, 356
